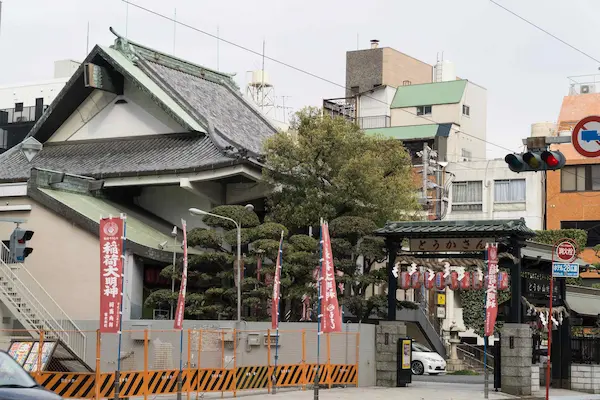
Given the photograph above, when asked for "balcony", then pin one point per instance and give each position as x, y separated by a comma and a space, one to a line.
375, 121
340, 107
18, 116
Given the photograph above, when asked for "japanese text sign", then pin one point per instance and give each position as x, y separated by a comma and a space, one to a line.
449, 244
180, 311
331, 317
491, 299
111, 273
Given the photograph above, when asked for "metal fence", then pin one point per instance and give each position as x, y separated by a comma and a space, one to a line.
585, 350
158, 362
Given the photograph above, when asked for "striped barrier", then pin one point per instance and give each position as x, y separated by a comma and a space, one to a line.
140, 383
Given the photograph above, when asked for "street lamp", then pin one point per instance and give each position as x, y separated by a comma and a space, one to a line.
238, 225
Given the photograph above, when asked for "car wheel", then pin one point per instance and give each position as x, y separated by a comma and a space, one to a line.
417, 368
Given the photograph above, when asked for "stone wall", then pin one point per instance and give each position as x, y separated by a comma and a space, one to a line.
386, 357
516, 345
585, 378
535, 378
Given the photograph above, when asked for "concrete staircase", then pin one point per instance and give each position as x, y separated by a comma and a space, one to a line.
34, 308
419, 317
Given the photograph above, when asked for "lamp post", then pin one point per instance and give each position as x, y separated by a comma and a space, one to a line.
238, 225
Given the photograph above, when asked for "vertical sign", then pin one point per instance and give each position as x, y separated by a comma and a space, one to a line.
332, 319
276, 288
491, 299
111, 273
181, 299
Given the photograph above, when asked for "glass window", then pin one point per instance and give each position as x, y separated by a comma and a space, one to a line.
424, 110
595, 177
419, 347
509, 191
467, 196
466, 110
592, 228
573, 178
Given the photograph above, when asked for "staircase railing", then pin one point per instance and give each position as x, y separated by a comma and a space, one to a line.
43, 307
472, 359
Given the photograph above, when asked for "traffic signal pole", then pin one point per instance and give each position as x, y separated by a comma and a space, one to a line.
538, 157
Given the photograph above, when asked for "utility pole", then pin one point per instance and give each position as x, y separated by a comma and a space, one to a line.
430, 168
425, 173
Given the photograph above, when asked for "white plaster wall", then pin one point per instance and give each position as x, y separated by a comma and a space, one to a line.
376, 103
489, 171
476, 123
99, 117
134, 288
441, 114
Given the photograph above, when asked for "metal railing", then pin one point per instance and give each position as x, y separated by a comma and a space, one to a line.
473, 361
585, 350
375, 121
12, 116
39, 310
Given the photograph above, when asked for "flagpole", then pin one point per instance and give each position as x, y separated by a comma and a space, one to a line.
120, 331
319, 314
485, 338
280, 267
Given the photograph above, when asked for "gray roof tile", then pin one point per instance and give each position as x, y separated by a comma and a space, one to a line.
126, 156
515, 227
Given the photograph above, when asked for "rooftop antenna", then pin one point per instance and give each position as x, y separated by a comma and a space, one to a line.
263, 77
174, 28
218, 40
87, 44
283, 107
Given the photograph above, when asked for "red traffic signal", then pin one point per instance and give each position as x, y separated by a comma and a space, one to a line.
536, 161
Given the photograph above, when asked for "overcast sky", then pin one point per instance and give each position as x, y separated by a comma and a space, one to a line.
524, 70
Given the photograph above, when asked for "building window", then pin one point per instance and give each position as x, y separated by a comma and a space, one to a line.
465, 154
18, 107
509, 191
580, 178
354, 90
3, 139
592, 228
467, 196
466, 110
424, 110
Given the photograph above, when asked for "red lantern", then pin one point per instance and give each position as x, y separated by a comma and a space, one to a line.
502, 280
428, 280
404, 280
465, 282
440, 282
415, 280
477, 281
452, 280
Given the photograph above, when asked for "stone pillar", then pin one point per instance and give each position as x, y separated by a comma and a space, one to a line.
454, 363
516, 347
386, 357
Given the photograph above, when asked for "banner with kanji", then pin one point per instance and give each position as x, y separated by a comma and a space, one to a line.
491, 293
112, 235
180, 311
331, 320
277, 288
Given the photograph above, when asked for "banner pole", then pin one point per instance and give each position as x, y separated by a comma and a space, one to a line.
278, 273
319, 277
120, 331
485, 338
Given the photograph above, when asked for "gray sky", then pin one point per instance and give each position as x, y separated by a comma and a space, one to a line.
523, 69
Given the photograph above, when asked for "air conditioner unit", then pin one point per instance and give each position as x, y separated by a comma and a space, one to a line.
585, 89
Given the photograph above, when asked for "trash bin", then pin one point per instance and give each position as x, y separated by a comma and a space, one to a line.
404, 360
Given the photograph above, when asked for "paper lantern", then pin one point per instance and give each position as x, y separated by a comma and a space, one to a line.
415, 280
428, 280
452, 280
465, 282
440, 282
503, 280
404, 280
477, 282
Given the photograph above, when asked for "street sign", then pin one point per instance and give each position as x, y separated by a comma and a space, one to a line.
565, 252
565, 270
586, 137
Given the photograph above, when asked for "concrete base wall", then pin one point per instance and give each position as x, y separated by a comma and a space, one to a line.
585, 378
387, 351
535, 378
516, 361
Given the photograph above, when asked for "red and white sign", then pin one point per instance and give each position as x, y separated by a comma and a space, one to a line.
565, 251
180, 311
331, 317
491, 300
586, 137
111, 273
276, 288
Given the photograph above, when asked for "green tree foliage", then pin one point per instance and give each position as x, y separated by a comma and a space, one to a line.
330, 168
551, 236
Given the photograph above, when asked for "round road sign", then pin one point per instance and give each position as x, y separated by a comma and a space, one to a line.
586, 137
565, 252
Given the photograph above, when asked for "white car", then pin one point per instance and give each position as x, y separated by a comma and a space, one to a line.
427, 361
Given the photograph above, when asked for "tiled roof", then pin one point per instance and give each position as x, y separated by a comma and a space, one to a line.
412, 132
429, 94
110, 157
456, 228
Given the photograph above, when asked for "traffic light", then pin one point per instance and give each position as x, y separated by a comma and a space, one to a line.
545, 160
18, 244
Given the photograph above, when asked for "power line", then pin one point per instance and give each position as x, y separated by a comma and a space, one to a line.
297, 69
545, 31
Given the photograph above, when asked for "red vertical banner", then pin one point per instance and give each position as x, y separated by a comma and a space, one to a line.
277, 288
180, 310
491, 298
111, 273
330, 310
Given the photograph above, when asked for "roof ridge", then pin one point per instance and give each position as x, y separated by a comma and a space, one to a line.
127, 138
157, 56
432, 83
